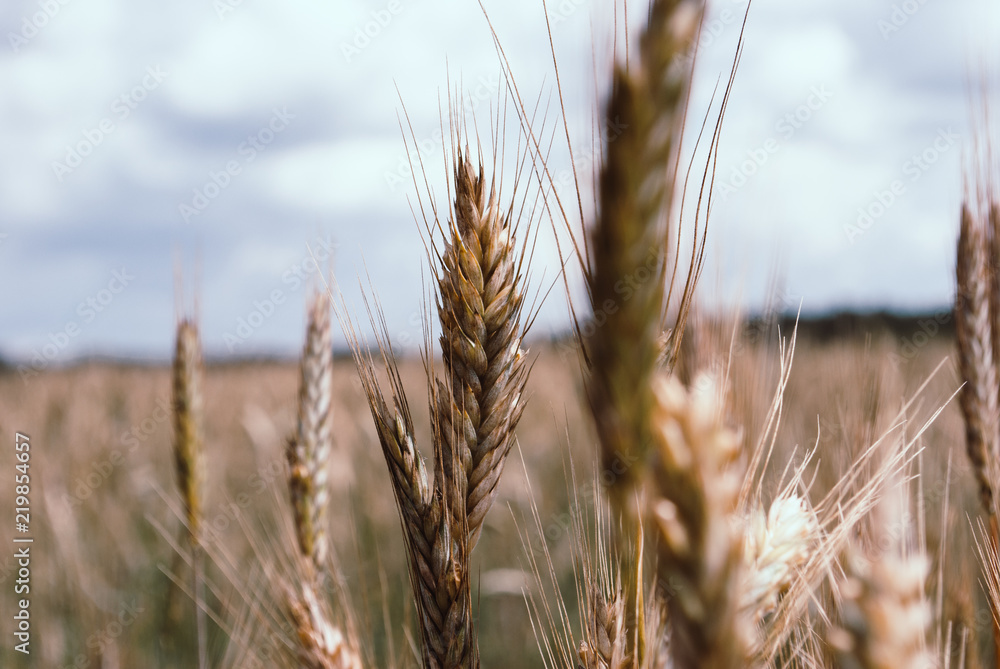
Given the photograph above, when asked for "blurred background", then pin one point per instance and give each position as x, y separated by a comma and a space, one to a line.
242, 139
256, 144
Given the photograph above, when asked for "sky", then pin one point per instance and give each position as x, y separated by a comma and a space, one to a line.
257, 144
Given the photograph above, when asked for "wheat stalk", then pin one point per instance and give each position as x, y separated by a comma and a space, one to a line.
308, 451
695, 498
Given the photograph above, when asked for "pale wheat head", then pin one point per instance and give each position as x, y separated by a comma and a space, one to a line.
694, 500
308, 451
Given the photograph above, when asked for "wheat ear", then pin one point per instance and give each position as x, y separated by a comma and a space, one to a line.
605, 645
188, 416
695, 499
322, 645
630, 242
479, 305
885, 614
978, 398
188, 423
308, 451
776, 546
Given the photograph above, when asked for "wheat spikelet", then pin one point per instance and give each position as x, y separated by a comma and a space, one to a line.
308, 451
188, 422
695, 497
630, 242
479, 305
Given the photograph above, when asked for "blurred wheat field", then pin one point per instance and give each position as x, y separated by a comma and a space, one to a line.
101, 435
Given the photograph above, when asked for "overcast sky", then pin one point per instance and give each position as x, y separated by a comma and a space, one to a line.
232, 134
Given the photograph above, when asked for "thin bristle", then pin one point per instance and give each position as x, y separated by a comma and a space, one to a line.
309, 450
188, 423
694, 502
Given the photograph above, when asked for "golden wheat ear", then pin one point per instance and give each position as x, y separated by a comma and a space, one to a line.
308, 451
188, 419
977, 333
973, 329
479, 306
630, 243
